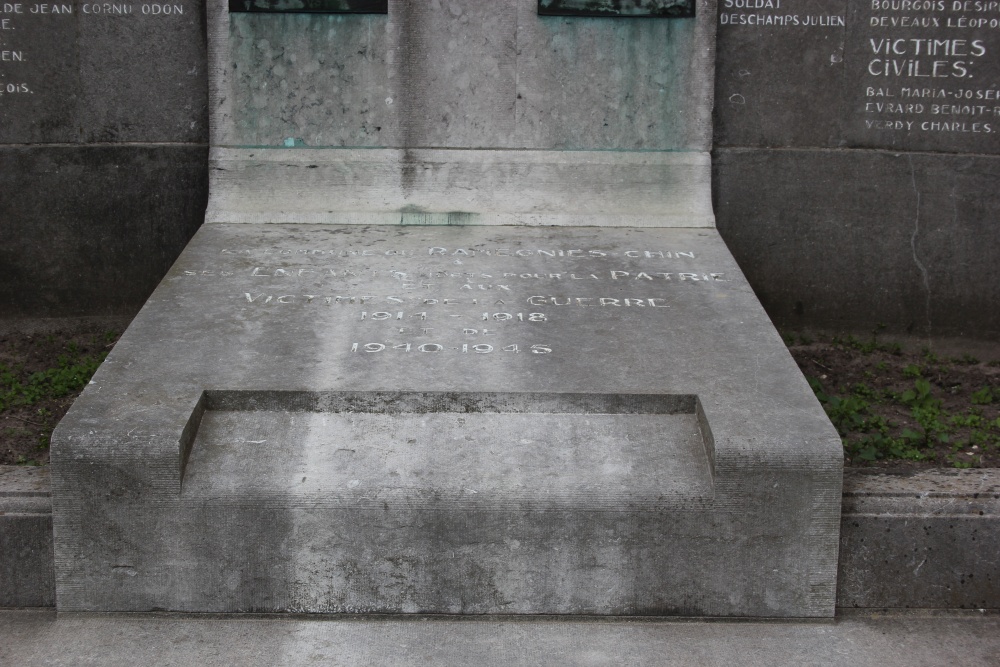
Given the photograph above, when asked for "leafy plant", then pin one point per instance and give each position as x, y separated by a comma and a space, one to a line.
867, 346
959, 463
926, 410
966, 360
71, 373
971, 419
865, 435
984, 396
918, 407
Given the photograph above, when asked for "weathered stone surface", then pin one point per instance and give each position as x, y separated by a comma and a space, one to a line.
462, 74
423, 187
460, 419
336, 418
90, 230
917, 76
779, 85
102, 72
926, 540
27, 578
234, 452
848, 239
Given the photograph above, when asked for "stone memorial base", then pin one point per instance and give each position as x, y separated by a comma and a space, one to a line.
462, 420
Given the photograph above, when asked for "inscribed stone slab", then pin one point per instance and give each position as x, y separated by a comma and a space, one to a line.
94, 72
449, 420
894, 74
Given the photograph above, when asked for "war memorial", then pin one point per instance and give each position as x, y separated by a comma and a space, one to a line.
465, 308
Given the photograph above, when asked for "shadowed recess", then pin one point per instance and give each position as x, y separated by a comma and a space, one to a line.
311, 6
618, 8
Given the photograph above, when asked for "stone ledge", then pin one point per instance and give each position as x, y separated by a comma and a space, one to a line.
42, 638
925, 540
454, 187
928, 539
27, 577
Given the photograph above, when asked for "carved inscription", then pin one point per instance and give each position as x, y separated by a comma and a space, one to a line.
454, 300
929, 67
35, 38
771, 13
915, 74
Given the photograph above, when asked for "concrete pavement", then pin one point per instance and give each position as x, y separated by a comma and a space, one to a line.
32, 638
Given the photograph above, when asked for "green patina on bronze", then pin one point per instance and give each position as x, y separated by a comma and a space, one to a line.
311, 6
618, 8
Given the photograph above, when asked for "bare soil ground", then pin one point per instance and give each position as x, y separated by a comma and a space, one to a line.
894, 408
905, 409
40, 377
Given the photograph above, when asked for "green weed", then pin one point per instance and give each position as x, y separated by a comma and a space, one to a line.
984, 396
867, 346
966, 360
959, 463
861, 390
864, 401
971, 419
70, 374
926, 410
865, 435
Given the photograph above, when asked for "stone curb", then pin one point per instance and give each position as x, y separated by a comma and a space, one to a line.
929, 539
27, 572
923, 540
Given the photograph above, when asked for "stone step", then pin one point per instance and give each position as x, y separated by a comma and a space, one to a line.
478, 450
463, 503
27, 577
